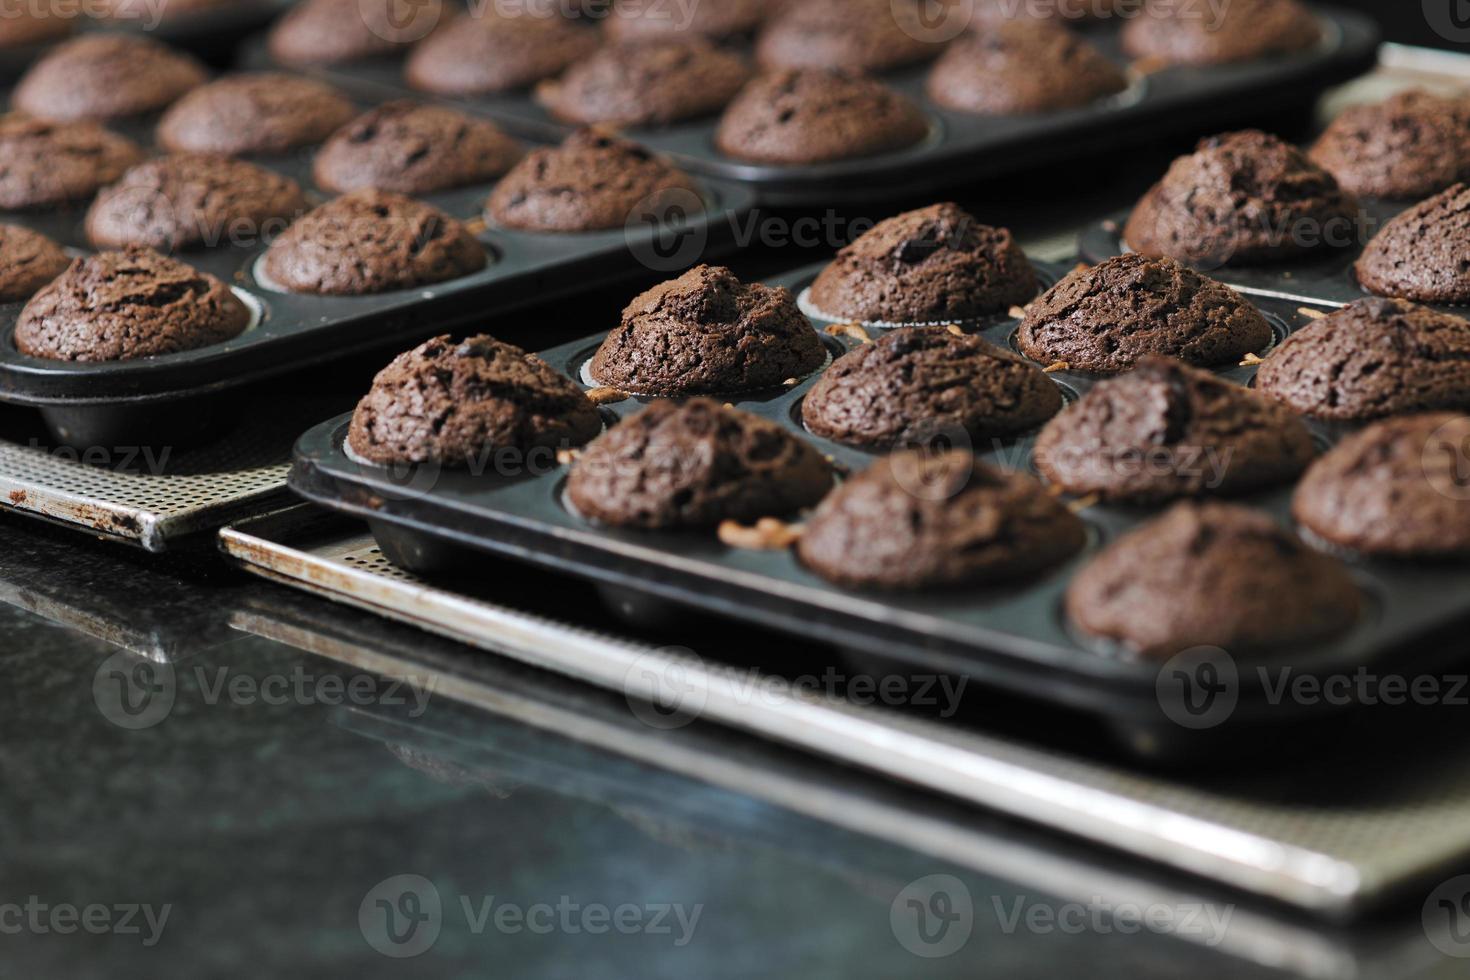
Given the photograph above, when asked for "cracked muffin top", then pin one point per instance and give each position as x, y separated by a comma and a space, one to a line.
1241, 30
329, 32
478, 55
1167, 430
1395, 489
1102, 319
815, 116
1022, 66
1372, 358
916, 383
707, 332
455, 403
28, 261
1424, 253
105, 76
932, 265
371, 241
1410, 145
651, 83
188, 200
1212, 574
694, 464
1244, 197
917, 520
413, 148
591, 181
116, 306
851, 35
264, 112
56, 164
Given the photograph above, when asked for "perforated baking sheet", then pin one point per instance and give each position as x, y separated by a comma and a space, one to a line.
152, 496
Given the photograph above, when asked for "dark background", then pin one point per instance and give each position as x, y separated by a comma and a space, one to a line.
1407, 21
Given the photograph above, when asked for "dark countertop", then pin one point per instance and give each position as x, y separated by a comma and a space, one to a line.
262, 804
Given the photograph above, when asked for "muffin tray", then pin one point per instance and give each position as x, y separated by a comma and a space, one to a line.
183, 396
431, 522
1322, 280
963, 147
1355, 845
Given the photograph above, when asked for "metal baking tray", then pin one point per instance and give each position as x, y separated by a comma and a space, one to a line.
180, 397
158, 498
1014, 638
963, 147
1315, 835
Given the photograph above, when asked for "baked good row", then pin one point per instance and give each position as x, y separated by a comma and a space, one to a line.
1250, 199
59, 156
44, 21
803, 92
1157, 431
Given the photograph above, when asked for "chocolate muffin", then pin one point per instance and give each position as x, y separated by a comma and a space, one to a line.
915, 520
57, 164
189, 200
851, 35
116, 306
28, 261
266, 112
639, 20
496, 53
707, 332
456, 403
1167, 430
817, 115
1211, 574
918, 383
1373, 358
105, 76
694, 464
592, 181
21, 27
1411, 145
648, 84
1022, 66
932, 265
413, 148
329, 32
1241, 30
371, 241
1396, 489
1104, 318
1421, 253
1243, 198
